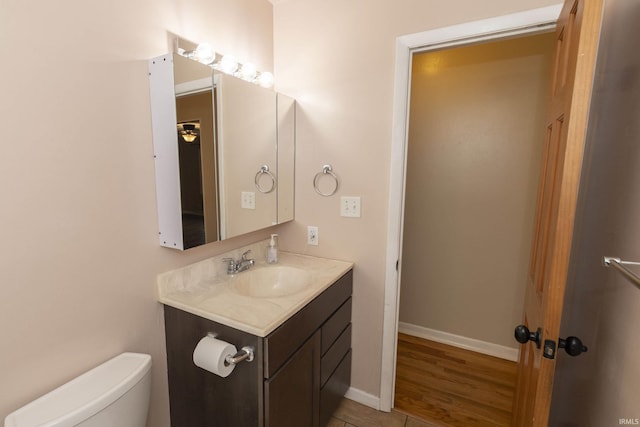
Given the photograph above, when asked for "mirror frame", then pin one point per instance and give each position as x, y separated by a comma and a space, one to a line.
166, 157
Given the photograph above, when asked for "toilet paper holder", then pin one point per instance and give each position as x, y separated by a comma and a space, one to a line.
245, 353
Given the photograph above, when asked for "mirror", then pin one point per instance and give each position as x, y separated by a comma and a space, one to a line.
224, 153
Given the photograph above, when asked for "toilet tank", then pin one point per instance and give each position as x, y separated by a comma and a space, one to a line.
115, 393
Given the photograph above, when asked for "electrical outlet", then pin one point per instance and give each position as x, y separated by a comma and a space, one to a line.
350, 207
248, 200
312, 235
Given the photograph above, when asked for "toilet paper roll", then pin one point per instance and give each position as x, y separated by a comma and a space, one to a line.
210, 353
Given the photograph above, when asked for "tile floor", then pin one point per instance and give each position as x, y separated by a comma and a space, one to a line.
353, 414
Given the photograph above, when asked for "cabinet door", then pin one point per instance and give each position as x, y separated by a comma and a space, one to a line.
292, 395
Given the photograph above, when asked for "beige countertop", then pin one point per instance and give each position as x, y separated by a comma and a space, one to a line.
204, 289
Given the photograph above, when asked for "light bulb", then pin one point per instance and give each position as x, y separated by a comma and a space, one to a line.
205, 53
189, 137
248, 71
265, 79
228, 64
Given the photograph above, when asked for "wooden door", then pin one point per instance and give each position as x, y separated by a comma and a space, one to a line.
566, 120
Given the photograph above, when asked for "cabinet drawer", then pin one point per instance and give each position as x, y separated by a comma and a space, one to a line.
336, 324
335, 354
285, 340
333, 391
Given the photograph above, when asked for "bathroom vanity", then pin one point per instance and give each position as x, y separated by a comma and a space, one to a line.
301, 341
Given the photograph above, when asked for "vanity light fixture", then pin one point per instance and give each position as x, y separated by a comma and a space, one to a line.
248, 72
265, 79
228, 64
204, 53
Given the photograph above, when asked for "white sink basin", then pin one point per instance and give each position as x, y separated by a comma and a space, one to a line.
271, 281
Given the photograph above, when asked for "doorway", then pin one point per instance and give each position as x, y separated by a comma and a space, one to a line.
526, 23
473, 157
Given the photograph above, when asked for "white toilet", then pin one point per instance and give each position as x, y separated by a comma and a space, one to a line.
114, 394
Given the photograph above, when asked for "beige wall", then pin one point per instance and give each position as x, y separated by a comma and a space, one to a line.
78, 219
337, 59
476, 133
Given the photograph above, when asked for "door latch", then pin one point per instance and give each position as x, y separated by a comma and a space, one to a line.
549, 350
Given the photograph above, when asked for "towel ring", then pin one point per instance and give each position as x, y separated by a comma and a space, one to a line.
264, 169
326, 170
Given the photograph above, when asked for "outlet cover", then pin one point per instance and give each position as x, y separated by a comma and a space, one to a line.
312, 235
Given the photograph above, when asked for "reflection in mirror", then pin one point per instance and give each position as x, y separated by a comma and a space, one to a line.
247, 138
235, 176
191, 183
286, 155
197, 159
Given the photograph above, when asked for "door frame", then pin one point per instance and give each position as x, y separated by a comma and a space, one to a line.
523, 23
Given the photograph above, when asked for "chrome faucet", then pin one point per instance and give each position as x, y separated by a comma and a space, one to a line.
242, 264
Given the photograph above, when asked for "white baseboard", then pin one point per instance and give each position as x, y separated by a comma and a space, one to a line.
459, 341
363, 398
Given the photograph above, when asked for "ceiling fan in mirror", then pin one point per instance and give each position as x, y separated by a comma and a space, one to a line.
189, 131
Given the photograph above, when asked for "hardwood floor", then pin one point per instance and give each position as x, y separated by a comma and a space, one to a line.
449, 386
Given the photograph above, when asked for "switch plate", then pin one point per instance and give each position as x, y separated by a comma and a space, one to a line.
350, 207
312, 235
248, 200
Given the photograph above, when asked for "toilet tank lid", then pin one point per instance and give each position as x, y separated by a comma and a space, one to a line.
85, 395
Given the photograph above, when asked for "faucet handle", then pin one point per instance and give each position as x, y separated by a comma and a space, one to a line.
231, 266
244, 255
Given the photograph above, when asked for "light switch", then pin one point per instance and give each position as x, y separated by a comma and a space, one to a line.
248, 200
350, 207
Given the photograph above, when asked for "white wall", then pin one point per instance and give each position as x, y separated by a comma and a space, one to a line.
337, 59
476, 134
78, 214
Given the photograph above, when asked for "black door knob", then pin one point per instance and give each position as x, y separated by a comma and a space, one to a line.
523, 335
573, 346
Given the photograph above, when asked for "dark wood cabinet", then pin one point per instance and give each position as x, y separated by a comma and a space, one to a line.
292, 395
199, 398
300, 372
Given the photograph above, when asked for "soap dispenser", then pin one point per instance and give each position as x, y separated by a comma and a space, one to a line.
272, 250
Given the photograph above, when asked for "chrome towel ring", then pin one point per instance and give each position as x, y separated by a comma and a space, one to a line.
326, 170
264, 169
